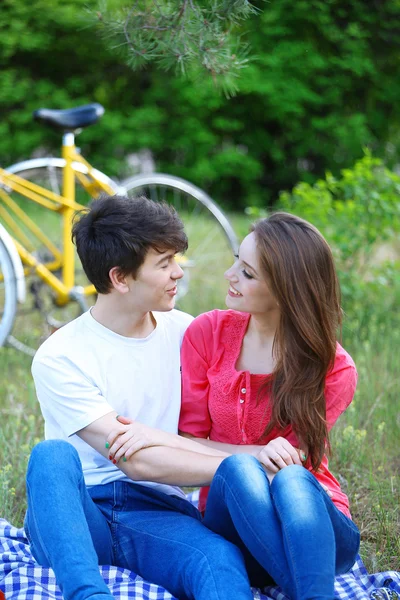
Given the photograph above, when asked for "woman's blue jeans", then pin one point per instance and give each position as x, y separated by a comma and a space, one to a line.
73, 529
289, 531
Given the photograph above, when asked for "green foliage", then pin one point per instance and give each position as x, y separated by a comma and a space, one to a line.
358, 212
321, 85
194, 37
46, 53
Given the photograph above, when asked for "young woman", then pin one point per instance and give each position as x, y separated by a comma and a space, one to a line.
265, 381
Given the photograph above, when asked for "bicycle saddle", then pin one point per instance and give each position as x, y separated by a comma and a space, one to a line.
70, 119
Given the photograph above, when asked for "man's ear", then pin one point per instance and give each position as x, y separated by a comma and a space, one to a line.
118, 280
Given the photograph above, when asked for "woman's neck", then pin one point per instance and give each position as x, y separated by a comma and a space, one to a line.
263, 327
256, 354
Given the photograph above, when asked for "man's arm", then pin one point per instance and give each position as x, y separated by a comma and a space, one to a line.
183, 463
129, 436
79, 407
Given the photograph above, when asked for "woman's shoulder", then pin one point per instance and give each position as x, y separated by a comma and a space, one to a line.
216, 326
340, 384
344, 371
217, 319
343, 359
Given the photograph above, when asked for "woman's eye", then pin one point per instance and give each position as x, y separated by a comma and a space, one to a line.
246, 274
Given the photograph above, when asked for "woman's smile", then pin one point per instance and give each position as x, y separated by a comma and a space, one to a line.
233, 292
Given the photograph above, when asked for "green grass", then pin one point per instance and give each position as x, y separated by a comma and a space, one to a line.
366, 446
365, 442
21, 427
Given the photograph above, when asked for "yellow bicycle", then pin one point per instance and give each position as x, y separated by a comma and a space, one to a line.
41, 283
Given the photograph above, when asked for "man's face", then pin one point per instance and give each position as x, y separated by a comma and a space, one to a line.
155, 285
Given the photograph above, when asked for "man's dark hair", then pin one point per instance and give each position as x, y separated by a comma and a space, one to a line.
116, 231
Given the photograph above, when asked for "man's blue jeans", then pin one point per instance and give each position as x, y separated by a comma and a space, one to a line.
73, 529
289, 531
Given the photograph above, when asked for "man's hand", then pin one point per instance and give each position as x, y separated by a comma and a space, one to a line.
171, 459
278, 454
129, 437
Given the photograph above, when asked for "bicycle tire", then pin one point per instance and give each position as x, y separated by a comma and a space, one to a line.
212, 240
8, 293
31, 324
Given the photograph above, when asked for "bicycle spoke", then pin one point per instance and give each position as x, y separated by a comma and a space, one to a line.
54, 180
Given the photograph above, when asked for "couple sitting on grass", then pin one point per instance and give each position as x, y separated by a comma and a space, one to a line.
253, 391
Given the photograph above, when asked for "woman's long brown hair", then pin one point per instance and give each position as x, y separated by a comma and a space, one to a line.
298, 265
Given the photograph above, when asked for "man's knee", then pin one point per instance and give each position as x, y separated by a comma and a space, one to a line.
57, 456
211, 568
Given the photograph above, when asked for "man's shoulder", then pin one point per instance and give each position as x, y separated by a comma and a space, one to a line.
174, 323
175, 318
63, 341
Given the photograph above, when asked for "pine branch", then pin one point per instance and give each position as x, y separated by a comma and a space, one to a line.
190, 36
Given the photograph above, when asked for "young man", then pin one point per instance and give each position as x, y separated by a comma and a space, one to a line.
123, 357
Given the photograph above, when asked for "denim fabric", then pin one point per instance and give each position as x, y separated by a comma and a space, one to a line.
73, 529
289, 531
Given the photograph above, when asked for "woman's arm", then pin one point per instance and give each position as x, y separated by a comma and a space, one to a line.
227, 448
275, 455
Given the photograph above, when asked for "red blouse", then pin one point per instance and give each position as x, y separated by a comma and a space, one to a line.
219, 402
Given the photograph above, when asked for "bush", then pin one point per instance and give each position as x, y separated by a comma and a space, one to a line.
321, 84
357, 212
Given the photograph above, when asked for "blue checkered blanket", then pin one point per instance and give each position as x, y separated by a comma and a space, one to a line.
21, 578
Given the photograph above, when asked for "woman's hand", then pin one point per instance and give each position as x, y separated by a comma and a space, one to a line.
278, 454
129, 437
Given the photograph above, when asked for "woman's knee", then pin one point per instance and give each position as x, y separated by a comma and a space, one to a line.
297, 494
244, 475
239, 464
297, 479
292, 473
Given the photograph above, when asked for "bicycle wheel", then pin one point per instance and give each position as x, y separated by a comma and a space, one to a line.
39, 316
8, 293
212, 240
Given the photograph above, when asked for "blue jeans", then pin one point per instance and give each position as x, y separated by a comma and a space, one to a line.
289, 531
73, 529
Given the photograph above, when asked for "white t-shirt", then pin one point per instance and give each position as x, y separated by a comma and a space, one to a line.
84, 371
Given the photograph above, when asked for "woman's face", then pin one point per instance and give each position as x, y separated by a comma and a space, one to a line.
248, 290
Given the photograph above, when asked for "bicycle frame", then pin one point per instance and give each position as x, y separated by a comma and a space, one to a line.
65, 205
